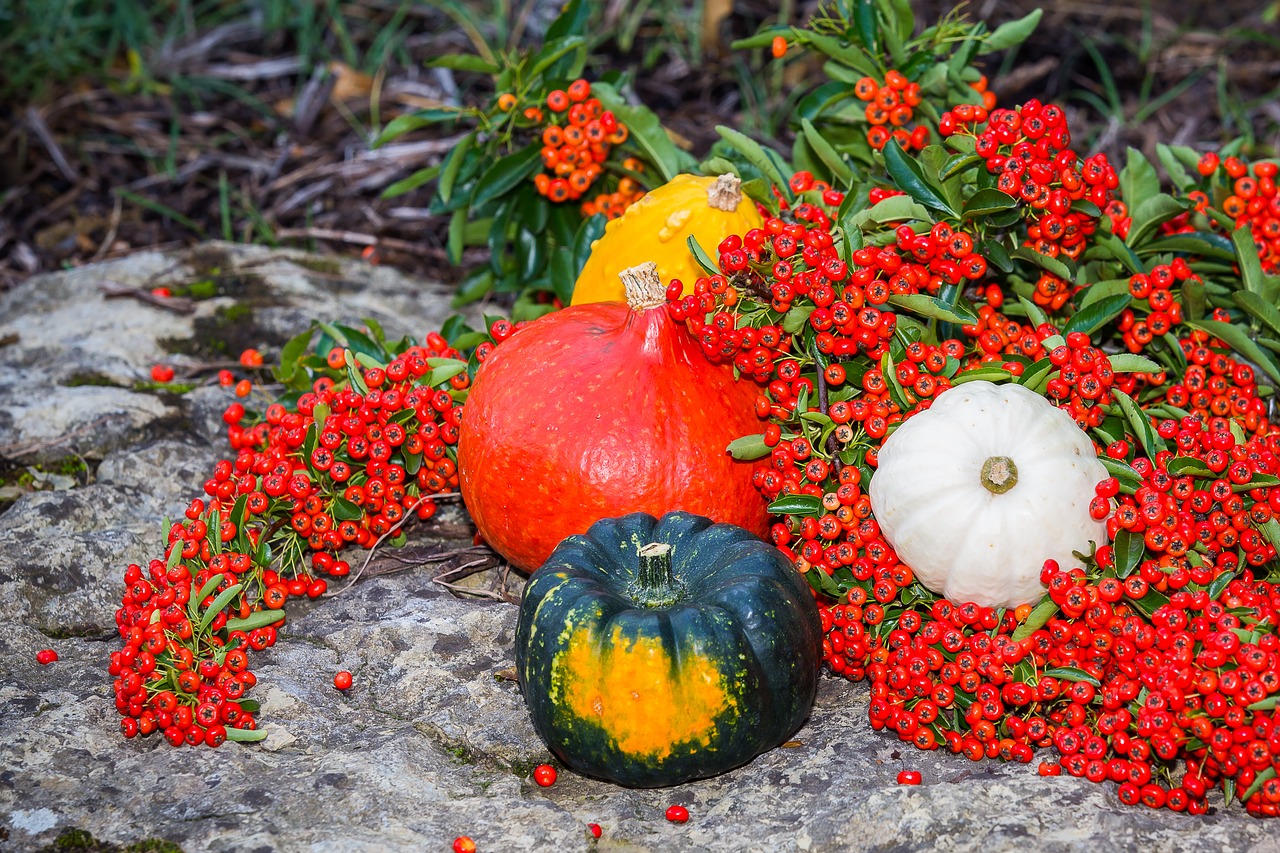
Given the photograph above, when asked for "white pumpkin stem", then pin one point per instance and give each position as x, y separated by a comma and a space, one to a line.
726, 193
656, 584
643, 287
999, 474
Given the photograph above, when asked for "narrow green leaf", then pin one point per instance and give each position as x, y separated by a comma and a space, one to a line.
1097, 315
1184, 466
1258, 308
223, 599
909, 177
505, 174
1053, 265
1138, 178
796, 505
1239, 340
988, 201
647, 132
1037, 619
1247, 257
462, 62
1220, 583
755, 155
1072, 673
1143, 432
452, 163
827, 153
1150, 603
933, 308
1012, 33
256, 619
553, 50
1150, 214
1201, 243
897, 208
209, 586
1130, 480
1263, 776
982, 374
1129, 548
958, 163
748, 447
700, 255
246, 735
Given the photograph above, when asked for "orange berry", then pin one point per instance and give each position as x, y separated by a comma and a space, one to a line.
552, 136
887, 98
243, 387
979, 85
336, 359
989, 100
866, 88
559, 190
541, 182
579, 90
251, 358
533, 114
506, 102
550, 157
557, 101
573, 135
578, 115
1235, 167
895, 80
779, 47
899, 115
877, 114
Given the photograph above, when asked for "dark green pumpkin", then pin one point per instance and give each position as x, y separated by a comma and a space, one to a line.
652, 670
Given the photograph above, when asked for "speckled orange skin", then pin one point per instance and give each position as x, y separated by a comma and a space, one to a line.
597, 411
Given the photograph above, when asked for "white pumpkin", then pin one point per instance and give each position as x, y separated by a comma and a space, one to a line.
976, 492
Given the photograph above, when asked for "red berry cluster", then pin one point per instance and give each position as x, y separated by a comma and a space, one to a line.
1215, 385
350, 464
1156, 292
1083, 384
1251, 201
1028, 149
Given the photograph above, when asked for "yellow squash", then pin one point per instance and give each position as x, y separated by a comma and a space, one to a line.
657, 228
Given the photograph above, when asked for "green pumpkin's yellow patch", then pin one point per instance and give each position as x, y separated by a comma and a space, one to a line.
630, 689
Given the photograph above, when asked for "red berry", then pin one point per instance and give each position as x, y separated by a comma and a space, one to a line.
677, 814
464, 844
544, 775
44, 657
909, 777
594, 828
162, 373
342, 680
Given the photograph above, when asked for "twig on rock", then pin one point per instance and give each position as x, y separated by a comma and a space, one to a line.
176, 304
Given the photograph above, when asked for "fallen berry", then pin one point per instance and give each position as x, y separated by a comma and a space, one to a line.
464, 844
342, 680
594, 828
162, 373
677, 814
44, 657
544, 775
909, 777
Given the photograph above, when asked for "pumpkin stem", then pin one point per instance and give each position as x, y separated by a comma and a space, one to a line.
656, 584
643, 287
725, 194
999, 474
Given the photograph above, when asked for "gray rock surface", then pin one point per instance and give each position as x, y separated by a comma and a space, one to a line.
432, 741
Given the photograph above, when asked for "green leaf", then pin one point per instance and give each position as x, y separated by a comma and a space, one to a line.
454, 242
1150, 214
958, 163
223, 599
1173, 167
1129, 548
1053, 265
1201, 243
1220, 583
505, 174
1097, 315
554, 49
827, 153
443, 369
400, 125
420, 178
1258, 308
646, 131
756, 156
796, 318
1127, 362
987, 201
1034, 313
896, 208
1138, 179
1239, 340
1142, 430
700, 255
1130, 480
1012, 33
908, 176
462, 62
1101, 289
452, 163
1116, 248
345, 510
867, 26
982, 374
1037, 619
209, 586
256, 619
797, 505
933, 308
246, 735
572, 20
1072, 673
749, 447
1247, 257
